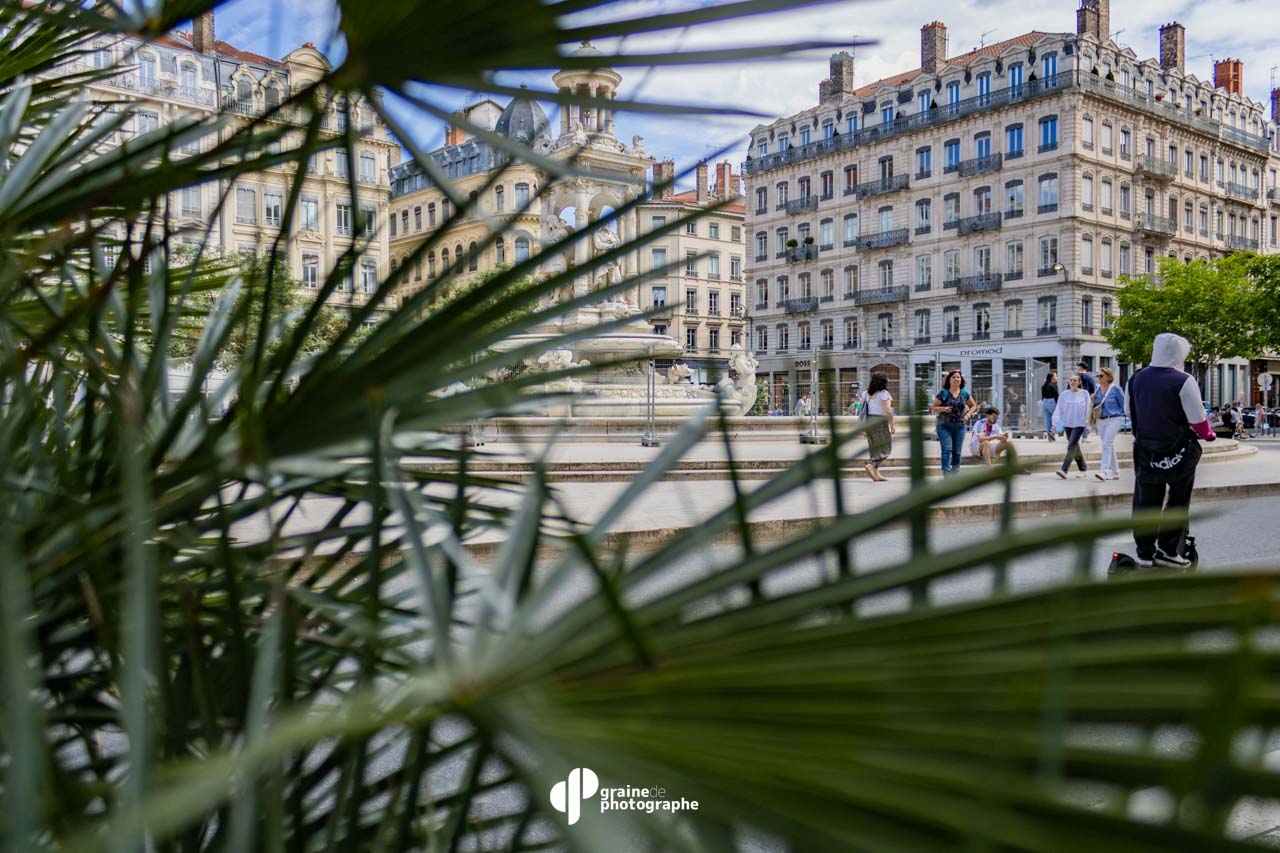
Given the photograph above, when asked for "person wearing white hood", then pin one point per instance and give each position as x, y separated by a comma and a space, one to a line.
1163, 404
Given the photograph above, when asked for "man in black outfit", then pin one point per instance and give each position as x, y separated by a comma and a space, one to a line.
1163, 403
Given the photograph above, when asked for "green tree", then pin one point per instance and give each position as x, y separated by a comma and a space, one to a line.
1265, 308
1213, 304
185, 668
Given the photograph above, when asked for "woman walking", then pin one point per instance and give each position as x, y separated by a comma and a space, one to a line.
1110, 399
1071, 415
954, 407
878, 405
1049, 402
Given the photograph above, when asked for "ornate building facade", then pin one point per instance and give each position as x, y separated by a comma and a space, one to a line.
703, 297
193, 74
976, 212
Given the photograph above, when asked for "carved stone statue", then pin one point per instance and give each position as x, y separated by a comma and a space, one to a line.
558, 258
637, 144
606, 239
740, 385
678, 373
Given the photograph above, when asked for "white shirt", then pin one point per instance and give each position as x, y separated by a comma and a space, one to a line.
876, 405
1073, 408
982, 429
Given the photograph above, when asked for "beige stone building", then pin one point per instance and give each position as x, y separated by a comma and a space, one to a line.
193, 74
975, 212
703, 288
703, 294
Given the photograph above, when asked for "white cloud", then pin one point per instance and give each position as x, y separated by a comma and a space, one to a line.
1237, 28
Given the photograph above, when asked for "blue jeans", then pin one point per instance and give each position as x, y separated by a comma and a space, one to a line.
951, 437
1049, 405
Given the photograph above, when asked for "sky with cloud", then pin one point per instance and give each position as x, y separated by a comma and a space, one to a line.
1239, 29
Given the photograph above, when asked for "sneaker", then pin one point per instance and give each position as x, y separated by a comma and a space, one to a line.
1061, 473
1144, 562
1165, 560
1101, 477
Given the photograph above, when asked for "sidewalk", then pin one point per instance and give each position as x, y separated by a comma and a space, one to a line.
1227, 470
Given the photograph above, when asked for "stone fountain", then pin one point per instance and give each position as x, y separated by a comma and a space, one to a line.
621, 390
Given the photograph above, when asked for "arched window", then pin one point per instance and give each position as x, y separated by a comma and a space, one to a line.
522, 249
271, 96
500, 252
499, 199
244, 95
444, 260
473, 259
431, 264
457, 255
188, 85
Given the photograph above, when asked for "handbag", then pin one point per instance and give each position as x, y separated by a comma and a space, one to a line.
865, 413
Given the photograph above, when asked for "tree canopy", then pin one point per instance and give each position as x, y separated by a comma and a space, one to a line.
1216, 305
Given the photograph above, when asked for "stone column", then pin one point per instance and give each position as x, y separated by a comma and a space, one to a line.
581, 199
613, 96
565, 110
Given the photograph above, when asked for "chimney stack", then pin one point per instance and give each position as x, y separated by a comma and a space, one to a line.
1229, 74
824, 91
202, 32
701, 173
1094, 16
933, 47
664, 174
1173, 47
728, 186
841, 73
1275, 105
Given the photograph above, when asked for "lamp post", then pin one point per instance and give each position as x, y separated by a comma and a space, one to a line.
811, 436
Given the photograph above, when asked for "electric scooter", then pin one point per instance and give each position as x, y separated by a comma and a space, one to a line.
1123, 564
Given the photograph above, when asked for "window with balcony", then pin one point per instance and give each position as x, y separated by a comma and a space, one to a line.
922, 326
850, 179
1048, 133
950, 211
784, 144
1086, 133
953, 98
342, 218
780, 191
924, 215
713, 303
691, 301
340, 162
951, 323
951, 268
1108, 137
784, 289
1126, 264
924, 161
1086, 192
691, 339
850, 333
1086, 254
784, 338
189, 86
1048, 255
1105, 259
1014, 195
735, 304
923, 101
713, 266
886, 275
805, 283
982, 201
735, 268
1013, 319
1013, 260
804, 340
762, 293
886, 330
982, 145
828, 292
1016, 72
762, 199
762, 147
1049, 65
1013, 141
850, 229
827, 182
924, 272
826, 234
852, 280
1086, 315
691, 264
762, 245
762, 338
981, 321
1048, 184
951, 154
